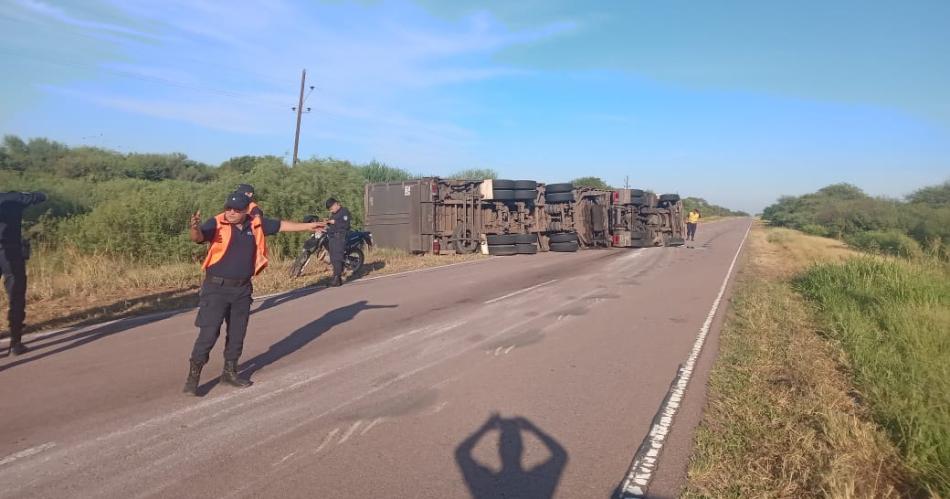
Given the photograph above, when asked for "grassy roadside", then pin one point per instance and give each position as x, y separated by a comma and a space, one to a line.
784, 418
68, 288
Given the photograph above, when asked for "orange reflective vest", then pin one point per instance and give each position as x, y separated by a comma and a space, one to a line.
222, 237
254, 206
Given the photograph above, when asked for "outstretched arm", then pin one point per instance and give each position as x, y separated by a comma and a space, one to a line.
286, 226
558, 454
23, 198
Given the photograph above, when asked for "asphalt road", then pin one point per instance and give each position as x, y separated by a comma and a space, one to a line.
531, 376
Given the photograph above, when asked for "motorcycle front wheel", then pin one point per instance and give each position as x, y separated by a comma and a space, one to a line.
296, 270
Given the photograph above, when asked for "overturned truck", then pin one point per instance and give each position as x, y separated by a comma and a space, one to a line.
507, 217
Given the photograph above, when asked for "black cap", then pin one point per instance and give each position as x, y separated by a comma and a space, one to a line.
331, 202
245, 189
237, 201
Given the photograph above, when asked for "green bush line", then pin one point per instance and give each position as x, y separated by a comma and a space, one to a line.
917, 225
892, 318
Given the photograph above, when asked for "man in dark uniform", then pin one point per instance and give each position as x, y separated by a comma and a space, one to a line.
13, 260
337, 231
253, 209
237, 252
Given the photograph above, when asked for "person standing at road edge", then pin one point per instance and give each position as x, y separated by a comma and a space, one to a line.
337, 232
13, 255
237, 252
692, 220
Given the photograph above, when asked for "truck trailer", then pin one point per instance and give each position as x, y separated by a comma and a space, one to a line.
516, 216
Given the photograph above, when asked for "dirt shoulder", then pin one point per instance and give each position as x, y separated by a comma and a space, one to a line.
783, 418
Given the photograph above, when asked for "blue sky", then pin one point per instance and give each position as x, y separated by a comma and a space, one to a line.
737, 102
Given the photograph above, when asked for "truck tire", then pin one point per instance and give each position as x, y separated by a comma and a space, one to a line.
638, 200
526, 249
469, 245
503, 195
559, 197
503, 250
568, 247
526, 195
640, 235
526, 239
556, 188
501, 239
675, 241
563, 237
669, 198
637, 193
525, 185
506, 185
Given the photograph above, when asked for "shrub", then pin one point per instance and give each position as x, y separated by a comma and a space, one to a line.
889, 242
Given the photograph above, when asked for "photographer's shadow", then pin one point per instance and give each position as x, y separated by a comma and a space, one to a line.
512, 480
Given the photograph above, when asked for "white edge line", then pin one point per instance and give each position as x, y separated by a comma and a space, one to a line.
645, 461
27, 453
520, 291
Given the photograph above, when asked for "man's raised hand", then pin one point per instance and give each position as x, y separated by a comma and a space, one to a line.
196, 219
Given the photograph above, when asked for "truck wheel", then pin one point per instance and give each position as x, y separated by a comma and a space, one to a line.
503, 195
675, 241
559, 197
563, 237
503, 250
526, 195
527, 249
501, 239
503, 184
556, 188
526, 239
568, 247
638, 200
464, 240
640, 235
637, 193
525, 185
669, 198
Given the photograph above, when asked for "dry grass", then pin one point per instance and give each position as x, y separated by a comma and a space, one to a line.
68, 288
783, 418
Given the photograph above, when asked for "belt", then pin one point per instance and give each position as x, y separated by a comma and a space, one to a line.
336, 234
230, 283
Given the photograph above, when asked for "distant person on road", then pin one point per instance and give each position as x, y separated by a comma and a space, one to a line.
14, 252
237, 252
253, 209
337, 232
692, 220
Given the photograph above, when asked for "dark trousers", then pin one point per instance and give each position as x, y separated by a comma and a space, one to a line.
336, 241
13, 269
691, 230
221, 303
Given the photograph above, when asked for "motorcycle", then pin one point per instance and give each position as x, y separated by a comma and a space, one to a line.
317, 244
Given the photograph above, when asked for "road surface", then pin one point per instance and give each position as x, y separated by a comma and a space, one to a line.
530, 376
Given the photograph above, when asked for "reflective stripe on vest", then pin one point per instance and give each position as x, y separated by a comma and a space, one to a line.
222, 237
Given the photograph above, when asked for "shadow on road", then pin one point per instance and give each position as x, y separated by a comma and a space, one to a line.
298, 339
76, 337
512, 480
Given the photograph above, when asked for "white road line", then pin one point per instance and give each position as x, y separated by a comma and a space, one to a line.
645, 461
370, 426
327, 440
27, 453
349, 433
508, 349
520, 291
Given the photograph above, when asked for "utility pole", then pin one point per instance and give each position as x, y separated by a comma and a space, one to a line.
626, 181
303, 80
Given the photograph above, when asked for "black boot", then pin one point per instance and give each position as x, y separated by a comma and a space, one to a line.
194, 376
16, 343
337, 281
230, 375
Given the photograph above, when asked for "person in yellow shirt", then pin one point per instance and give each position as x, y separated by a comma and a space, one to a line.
692, 220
